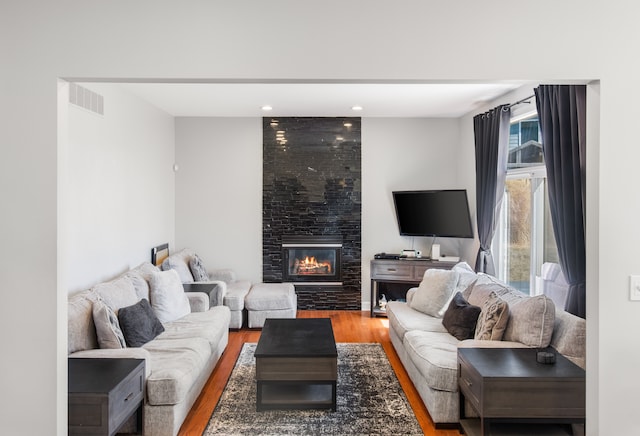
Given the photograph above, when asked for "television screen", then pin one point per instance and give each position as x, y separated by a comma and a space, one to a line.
441, 213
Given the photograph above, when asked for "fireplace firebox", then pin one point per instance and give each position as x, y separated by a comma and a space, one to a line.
312, 260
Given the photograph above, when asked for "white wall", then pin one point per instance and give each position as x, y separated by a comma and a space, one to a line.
402, 154
369, 40
120, 193
219, 192
219, 186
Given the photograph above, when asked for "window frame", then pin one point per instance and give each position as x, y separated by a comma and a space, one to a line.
537, 174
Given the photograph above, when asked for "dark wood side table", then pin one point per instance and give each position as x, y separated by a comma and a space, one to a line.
296, 364
207, 288
509, 385
407, 271
104, 394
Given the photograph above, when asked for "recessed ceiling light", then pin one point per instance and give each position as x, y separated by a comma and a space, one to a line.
266, 108
356, 108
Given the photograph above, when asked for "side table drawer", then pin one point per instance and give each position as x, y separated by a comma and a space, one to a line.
392, 271
470, 383
127, 396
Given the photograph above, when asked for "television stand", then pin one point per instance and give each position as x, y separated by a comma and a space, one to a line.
402, 274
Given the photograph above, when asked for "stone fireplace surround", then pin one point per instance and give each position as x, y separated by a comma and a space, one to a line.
312, 187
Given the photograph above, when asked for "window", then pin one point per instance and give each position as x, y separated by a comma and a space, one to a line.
524, 238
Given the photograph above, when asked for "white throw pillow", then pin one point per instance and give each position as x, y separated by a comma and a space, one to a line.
434, 292
168, 300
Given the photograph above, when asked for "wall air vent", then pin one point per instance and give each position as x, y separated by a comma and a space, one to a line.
86, 98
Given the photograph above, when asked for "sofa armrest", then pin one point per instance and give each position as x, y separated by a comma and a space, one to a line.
117, 353
225, 275
410, 293
199, 301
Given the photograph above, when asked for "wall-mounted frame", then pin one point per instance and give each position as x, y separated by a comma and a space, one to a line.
159, 253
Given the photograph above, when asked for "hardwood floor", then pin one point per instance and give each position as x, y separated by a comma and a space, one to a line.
348, 326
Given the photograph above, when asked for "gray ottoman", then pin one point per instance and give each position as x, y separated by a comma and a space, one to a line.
270, 300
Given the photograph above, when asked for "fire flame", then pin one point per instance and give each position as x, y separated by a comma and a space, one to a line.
311, 266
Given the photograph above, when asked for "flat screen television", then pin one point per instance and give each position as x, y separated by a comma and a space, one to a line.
438, 213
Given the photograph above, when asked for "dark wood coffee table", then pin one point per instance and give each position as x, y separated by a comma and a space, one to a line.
296, 364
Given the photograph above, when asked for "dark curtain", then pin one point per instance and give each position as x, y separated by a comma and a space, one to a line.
562, 113
491, 131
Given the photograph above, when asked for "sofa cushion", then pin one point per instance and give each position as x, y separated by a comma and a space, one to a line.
117, 293
107, 326
434, 291
270, 296
139, 324
570, 337
198, 271
403, 318
466, 278
140, 277
210, 325
531, 319
81, 330
460, 318
493, 319
180, 263
175, 366
484, 286
168, 298
435, 355
236, 291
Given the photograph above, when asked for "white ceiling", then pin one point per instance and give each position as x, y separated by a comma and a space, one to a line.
319, 99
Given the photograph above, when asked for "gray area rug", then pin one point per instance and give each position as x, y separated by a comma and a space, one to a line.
370, 401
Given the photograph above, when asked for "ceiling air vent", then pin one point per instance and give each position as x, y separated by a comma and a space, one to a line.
86, 99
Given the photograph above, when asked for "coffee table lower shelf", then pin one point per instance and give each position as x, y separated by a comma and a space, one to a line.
296, 395
472, 427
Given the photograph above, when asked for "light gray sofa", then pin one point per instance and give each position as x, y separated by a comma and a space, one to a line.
253, 302
179, 360
229, 291
429, 352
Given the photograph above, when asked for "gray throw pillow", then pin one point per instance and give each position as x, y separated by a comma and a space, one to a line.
198, 270
460, 318
139, 324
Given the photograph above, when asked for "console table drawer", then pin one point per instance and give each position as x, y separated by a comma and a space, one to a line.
392, 271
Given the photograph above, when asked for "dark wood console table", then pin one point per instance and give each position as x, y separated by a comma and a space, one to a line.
104, 394
508, 385
408, 271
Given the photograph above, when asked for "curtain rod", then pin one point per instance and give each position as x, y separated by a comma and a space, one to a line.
524, 100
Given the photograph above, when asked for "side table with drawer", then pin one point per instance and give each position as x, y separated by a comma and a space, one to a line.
508, 387
407, 271
104, 394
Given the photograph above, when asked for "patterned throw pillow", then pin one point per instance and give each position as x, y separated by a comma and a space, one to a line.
198, 270
493, 318
107, 326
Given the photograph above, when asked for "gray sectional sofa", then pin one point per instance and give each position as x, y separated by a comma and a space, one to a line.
229, 291
428, 350
246, 301
179, 360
